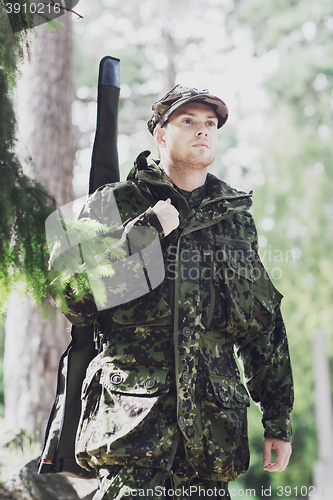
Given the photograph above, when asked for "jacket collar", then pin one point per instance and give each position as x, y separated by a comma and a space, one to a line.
216, 189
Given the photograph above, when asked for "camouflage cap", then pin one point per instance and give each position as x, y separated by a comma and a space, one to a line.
178, 96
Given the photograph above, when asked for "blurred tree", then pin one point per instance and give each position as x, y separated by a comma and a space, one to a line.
293, 202
24, 203
159, 44
33, 346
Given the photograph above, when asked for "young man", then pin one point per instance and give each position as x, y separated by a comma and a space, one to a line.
163, 406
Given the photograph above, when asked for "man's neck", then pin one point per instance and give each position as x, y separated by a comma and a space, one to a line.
186, 180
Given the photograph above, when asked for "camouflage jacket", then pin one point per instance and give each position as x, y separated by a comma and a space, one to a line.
167, 362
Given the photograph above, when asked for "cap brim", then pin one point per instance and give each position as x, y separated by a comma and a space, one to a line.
216, 103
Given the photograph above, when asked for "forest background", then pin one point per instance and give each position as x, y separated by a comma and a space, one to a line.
271, 63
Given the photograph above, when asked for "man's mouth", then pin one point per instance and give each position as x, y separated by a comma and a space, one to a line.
201, 145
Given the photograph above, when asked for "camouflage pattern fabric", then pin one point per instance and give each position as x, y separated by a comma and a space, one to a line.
166, 370
116, 483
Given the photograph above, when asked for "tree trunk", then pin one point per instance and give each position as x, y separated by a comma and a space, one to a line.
33, 346
169, 74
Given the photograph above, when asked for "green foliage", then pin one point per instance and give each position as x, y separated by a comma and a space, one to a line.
24, 204
24, 207
14, 40
69, 271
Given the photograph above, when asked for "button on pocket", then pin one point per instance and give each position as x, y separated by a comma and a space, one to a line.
116, 379
239, 398
149, 383
234, 263
222, 396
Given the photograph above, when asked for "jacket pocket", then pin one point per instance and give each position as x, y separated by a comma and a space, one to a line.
230, 393
120, 416
236, 277
225, 427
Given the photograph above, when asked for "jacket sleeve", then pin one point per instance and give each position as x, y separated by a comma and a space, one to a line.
103, 235
265, 357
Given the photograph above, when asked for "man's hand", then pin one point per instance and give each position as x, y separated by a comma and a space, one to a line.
167, 214
283, 452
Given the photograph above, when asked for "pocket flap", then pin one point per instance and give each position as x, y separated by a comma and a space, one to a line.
138, 380
238, 256
229, 392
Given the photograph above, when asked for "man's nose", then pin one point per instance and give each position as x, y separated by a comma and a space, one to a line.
202, 129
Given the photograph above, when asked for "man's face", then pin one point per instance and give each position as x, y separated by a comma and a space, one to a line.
189, 140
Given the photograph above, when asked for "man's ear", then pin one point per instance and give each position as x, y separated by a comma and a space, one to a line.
159, 135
